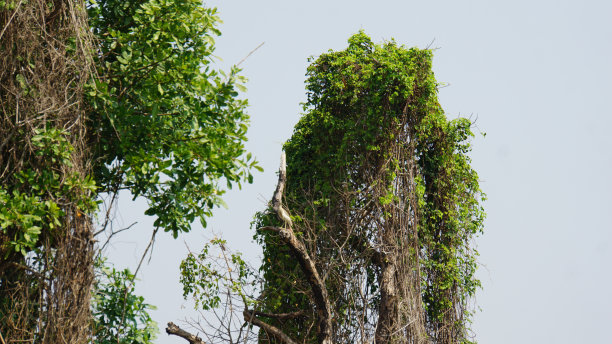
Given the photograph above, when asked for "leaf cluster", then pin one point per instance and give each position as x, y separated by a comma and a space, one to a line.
36, 200
205, 276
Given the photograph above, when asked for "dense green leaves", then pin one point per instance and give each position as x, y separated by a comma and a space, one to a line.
167, 126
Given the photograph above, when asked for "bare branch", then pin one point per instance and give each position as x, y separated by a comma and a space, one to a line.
274, 331
113, 233
173, 329
277, 204
291, 315
251, 53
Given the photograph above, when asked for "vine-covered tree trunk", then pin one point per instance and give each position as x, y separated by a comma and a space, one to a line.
368, 235
382, 196
46, 198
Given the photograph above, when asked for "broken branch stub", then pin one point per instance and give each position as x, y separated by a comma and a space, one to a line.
173, 329
277, 202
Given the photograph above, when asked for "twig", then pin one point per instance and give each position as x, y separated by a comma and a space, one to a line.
251, 53
113, 233
11, 19
430, 44
146, 250
110, 207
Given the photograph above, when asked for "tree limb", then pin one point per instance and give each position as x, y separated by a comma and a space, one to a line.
273, 330
173, 329
317, 285
278, 315
277, 204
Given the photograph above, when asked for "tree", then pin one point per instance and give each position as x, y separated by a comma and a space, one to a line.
120, 95
383, 208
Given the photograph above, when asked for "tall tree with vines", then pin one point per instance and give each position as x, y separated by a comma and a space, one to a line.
382, 194
368, 237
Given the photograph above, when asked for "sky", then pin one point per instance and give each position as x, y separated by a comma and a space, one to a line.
536, 75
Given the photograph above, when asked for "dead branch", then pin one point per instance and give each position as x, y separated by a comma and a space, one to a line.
274, 331
173, 329
317, 285
277, 204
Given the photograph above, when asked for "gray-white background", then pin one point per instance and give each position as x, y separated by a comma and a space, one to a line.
537, 74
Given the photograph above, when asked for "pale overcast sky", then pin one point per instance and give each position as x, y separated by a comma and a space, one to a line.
536, 74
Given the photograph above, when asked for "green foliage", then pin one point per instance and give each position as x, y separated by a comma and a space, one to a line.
31, 205
355, 97
120, 316
8, 5
166, 125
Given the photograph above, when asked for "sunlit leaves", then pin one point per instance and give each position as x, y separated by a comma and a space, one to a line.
169, 127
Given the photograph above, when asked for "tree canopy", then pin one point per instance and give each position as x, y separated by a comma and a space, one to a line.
368, 235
